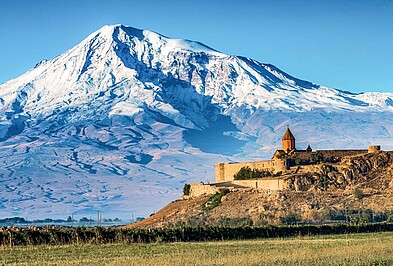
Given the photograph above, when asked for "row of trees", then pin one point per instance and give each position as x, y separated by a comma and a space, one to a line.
359, 216
20, 220
246, 173
102, 235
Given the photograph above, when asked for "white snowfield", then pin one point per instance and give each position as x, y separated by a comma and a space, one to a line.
121, 121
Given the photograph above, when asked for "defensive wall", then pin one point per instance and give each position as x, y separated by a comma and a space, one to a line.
274, 184
266, 183
226, 171
198, 189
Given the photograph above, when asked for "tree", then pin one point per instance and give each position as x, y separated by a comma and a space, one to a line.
186, 189
358, 193
317, 157
246, 173
85, 219
290, 218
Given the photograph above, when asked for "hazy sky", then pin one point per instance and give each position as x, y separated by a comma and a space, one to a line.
346, 44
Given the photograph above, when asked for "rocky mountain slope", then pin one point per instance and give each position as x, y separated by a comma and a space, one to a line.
125, 118
356, 186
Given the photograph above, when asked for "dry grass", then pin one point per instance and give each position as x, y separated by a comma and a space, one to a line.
357, 249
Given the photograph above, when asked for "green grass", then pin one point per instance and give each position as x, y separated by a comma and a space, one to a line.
213, 202
353, 249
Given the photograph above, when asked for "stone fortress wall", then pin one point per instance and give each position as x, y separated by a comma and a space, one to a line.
226, 171
198, 189
272, 184
265, 183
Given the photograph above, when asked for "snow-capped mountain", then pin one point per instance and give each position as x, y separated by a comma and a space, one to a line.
122, 120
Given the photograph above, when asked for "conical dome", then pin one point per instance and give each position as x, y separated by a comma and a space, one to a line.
308, 148
288, 141
288, 135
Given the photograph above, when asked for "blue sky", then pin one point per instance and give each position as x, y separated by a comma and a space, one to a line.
343, 44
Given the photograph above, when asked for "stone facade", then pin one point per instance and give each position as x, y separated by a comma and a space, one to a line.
226, 171
265, 183
198, 189
273, 184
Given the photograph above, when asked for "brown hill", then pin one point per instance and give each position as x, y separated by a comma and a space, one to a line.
355, 188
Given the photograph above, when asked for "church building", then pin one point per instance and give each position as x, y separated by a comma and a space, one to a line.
288, 143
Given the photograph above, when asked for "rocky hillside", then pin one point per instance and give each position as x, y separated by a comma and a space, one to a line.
371, 170
355, 188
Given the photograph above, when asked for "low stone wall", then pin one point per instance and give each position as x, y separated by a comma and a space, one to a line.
266, 184
226, 171
198, 189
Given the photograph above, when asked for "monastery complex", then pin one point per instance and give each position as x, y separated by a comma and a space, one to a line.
285, 163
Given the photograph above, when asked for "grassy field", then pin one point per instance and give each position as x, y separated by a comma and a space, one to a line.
353, 249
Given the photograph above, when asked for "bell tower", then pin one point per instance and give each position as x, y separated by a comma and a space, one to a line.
288, 141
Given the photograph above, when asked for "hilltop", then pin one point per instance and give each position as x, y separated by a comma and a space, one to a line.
354, 188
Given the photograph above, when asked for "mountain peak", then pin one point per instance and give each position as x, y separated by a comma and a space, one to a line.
156, 39
110, 29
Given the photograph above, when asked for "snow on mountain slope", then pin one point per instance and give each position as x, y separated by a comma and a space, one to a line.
122, 120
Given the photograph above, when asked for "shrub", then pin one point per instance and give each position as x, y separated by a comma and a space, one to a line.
224, 191
236, 222
290, 218
317, 157
358, 193
186, 189
389, 217
246, 173
213, 202
328, 215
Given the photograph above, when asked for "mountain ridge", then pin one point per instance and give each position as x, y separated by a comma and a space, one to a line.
270, 69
